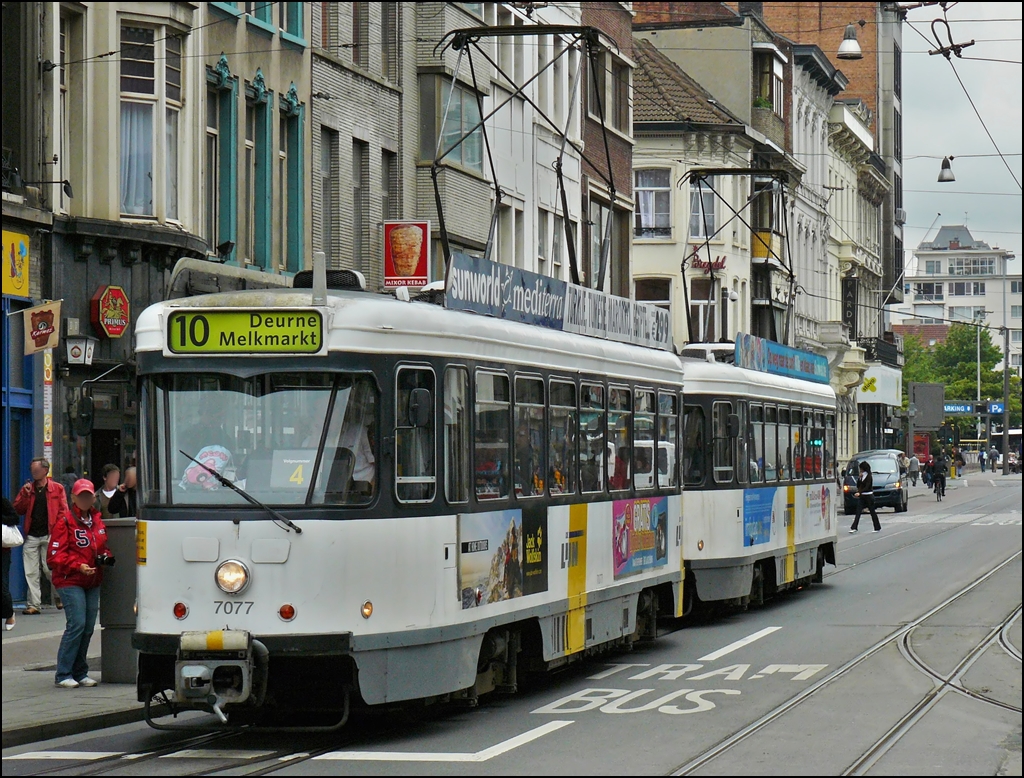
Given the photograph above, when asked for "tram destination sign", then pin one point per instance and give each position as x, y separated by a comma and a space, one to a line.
504, 292
244, 331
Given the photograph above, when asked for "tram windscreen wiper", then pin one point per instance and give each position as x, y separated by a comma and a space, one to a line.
278, 518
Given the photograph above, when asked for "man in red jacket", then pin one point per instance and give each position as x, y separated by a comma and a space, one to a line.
78, 554
42, 501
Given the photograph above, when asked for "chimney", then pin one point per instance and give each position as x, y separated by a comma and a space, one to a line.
954, 243
757, 9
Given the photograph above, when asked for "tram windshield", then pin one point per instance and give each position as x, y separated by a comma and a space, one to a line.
285, 438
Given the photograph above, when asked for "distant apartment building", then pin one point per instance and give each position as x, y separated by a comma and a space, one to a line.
955, 277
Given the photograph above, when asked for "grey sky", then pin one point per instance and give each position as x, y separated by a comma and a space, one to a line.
938, 121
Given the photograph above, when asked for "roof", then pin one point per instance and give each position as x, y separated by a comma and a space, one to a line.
926, 332
953, 236
662, 92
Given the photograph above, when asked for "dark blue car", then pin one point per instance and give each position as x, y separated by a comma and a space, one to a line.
887, 474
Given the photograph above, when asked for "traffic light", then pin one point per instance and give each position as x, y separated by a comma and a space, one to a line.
956, 433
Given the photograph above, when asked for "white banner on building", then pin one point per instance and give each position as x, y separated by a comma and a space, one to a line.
881, 384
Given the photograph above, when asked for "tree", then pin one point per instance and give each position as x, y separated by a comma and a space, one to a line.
918, 364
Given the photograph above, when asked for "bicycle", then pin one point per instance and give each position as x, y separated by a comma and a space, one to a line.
939, 490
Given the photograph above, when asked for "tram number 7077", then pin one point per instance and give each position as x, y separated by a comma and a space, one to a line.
241, 607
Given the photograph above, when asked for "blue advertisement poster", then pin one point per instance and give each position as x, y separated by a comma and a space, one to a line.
639, 535
767, 356
758, 515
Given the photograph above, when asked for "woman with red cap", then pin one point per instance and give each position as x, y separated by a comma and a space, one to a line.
78, 551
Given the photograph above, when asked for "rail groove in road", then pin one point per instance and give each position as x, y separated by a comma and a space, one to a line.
780, 710
948, 683
1006, 643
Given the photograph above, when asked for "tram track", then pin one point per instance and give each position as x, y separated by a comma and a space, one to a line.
782, 709
953, 682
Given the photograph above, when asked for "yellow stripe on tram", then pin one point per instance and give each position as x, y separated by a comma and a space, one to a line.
575, 627
215, 640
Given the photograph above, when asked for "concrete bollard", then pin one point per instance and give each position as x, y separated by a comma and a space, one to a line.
119, 661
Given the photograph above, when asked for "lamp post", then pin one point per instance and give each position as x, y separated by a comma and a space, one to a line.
978, 316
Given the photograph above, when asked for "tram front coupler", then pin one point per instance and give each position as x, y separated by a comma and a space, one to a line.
218, 669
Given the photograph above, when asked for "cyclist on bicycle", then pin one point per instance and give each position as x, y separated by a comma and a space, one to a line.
939, 477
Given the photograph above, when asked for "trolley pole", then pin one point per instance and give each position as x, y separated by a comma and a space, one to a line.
1006, 399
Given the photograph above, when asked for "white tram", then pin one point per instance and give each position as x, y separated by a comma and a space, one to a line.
426, 501
759, 472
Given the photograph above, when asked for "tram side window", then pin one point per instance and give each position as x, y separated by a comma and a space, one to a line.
721, 444
456, 434
771, 451
693, 445
529, 424
562, 438
807, 447
593, 455
643, 441
818, 444
757, 470
491, 447
152, 451
830, 445
667, 425
744, 450
785, 446
414, 435
619, 449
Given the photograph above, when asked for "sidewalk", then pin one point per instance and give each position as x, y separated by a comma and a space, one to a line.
33, 708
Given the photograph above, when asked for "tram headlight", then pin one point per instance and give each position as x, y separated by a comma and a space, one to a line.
232, 576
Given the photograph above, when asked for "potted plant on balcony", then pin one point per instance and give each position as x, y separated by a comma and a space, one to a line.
762, 102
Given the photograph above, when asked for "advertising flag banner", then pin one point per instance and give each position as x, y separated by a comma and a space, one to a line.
16, 264
406, 253
42, 327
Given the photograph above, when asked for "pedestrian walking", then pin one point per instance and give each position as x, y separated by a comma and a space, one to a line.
78, 554
993, 455
10, 519
865, 495
958, 462
107, 489
124, 502
43, 503
981, 460
914, 469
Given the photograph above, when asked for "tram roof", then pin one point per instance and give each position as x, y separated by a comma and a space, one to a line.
364, 322
717, 379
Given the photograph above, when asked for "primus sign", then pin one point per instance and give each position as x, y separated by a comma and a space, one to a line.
481, 286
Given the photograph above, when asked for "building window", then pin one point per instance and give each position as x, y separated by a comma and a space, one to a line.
897, 134
897, 70
702, 208
702, 310
601, 242
972, 266
609, 90
289, 18
1015, 287
360, 201
329, 27
652, 190
328, 201
928, 291
261, 10
1015, 311
933, 267
212, 158
655, 291
245, 229
966, 312
770, 90
1015, 336
463, 114
361, 34
966, 288
389, 48
139, 99
389, 185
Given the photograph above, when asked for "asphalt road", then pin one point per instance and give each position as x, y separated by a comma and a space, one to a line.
906, 660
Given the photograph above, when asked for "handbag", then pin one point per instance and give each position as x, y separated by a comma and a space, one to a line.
12, 537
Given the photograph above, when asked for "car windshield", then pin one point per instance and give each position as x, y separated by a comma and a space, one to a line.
284, 438
882, 464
